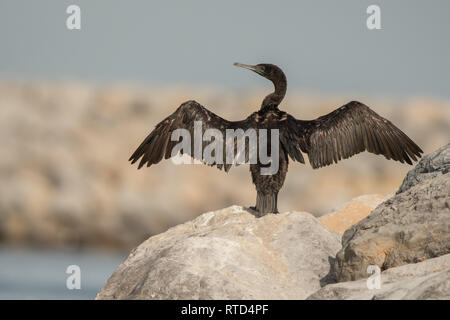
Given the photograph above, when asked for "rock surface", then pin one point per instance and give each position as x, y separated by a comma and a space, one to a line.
408, 228
431, 166
429, 279
352, 212
229, 254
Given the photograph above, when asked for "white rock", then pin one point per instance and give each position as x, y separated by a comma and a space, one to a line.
229, 254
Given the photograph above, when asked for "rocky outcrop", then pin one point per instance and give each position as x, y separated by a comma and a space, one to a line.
352, 212
410, 227
229, 254
429, 279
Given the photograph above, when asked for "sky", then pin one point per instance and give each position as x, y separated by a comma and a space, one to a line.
322, 45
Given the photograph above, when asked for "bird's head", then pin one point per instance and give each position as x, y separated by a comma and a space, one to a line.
274, 74
267, 70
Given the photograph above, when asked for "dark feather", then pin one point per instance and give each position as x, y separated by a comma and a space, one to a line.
158, 144
349, 130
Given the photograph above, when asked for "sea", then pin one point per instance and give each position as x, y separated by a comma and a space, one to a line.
48, 274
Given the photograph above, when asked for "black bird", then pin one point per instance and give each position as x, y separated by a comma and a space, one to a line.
346, 131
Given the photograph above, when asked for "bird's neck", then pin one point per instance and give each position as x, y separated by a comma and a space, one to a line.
275, 98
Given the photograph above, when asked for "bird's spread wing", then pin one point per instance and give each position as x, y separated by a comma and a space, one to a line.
346, 131
158, 144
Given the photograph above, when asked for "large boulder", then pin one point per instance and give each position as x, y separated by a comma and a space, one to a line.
408, 228
429, 279
229, 254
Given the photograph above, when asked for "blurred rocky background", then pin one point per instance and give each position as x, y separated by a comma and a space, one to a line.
66, 180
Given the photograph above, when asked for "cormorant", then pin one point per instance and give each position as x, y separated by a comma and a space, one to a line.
346, 131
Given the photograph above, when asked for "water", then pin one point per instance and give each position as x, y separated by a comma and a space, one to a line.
41, 274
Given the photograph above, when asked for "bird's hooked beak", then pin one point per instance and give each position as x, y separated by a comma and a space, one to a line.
256, 69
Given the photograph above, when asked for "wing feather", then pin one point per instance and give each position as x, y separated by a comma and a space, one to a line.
349, 130
158, 144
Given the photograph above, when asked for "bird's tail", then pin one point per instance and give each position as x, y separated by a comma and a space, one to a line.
266, 203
